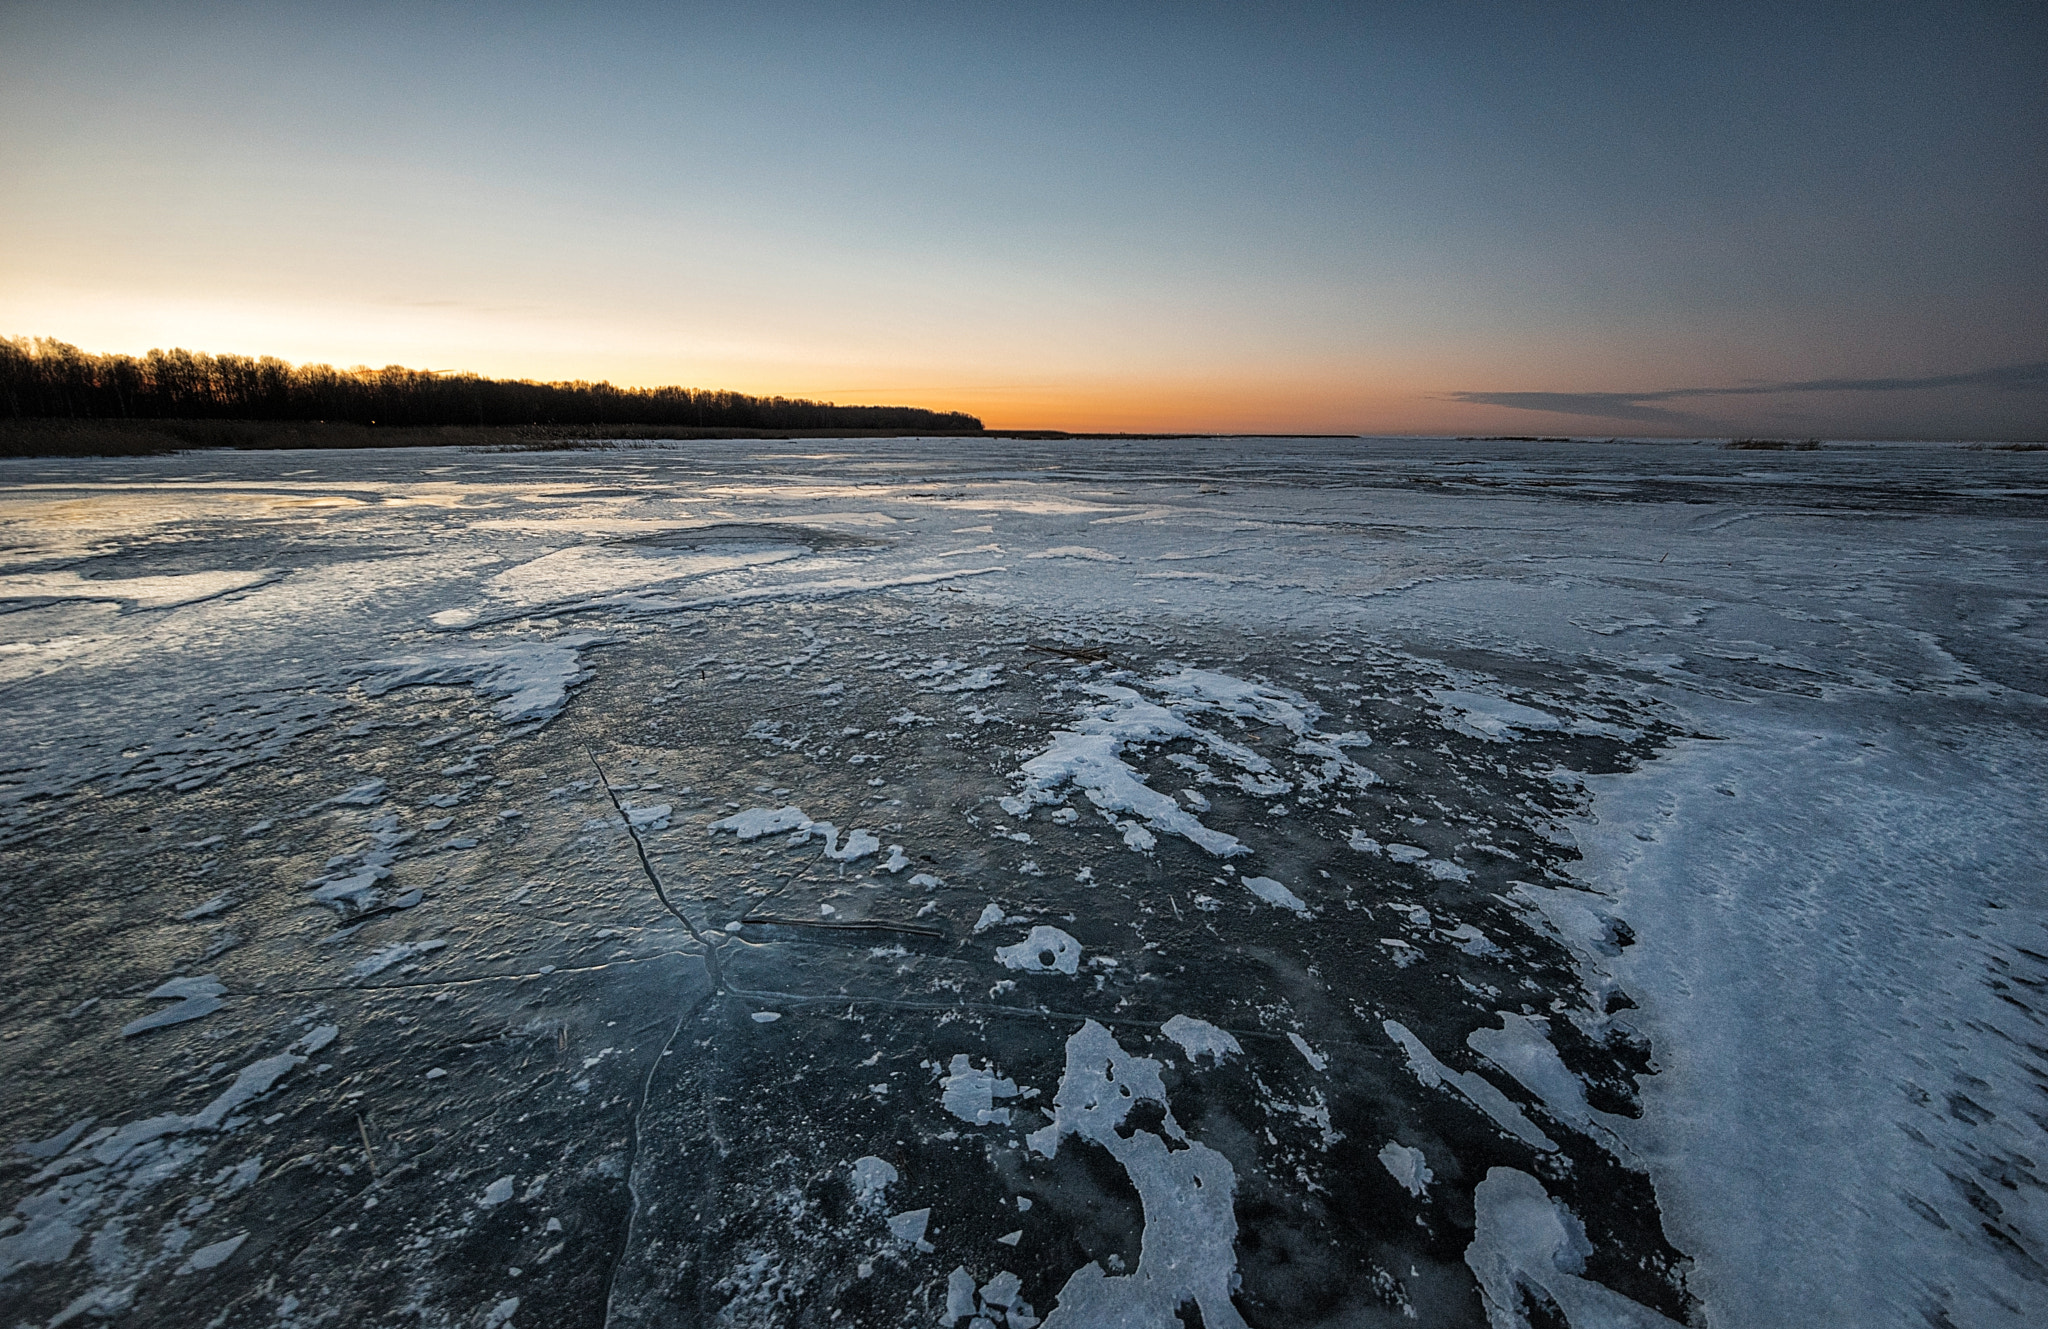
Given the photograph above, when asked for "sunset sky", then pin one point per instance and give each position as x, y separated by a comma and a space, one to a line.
1354, 218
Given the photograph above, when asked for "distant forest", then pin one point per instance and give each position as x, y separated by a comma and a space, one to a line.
42, 379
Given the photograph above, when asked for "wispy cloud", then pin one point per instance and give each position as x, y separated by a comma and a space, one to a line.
1636, 406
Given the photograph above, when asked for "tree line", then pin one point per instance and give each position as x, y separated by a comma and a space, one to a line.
41, 378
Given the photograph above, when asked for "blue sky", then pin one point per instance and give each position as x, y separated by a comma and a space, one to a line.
1351, 218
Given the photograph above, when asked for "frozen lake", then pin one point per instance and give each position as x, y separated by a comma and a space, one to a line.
983, 883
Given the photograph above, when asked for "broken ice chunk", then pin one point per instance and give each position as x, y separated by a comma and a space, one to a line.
1197, 1037
206, 1257
391, 955
1002, 1290
362, 795
910, 1225
1272, 892
871, 1179
496, 1193
653, 818
1363, 843
57, 1143
990, 917
1043, 948
1406, 853
896, 861
970, 1094
959, 1295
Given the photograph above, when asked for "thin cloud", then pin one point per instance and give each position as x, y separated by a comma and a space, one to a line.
1633, 406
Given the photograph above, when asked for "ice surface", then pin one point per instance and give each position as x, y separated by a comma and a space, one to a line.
1778, 1021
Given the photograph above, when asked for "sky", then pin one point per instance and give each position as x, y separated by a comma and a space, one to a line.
1698, 220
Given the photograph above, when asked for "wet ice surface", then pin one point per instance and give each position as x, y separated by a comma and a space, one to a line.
1149, 884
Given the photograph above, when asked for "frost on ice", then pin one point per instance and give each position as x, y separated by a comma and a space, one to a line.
1187, 1193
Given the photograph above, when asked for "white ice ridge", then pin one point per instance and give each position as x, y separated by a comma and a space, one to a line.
531, 678
1197, 1037
1187, 1193
1523, 1241
1477, 1088
1043, 949
1089, 752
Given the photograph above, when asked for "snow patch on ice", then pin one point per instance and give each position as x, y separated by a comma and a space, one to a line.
1040, 943
1199, 1037
970, 1094
1524, 1241
1408, 1166
1482, 1094
754, 823
530, 679
1187, 1249
1494, 719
